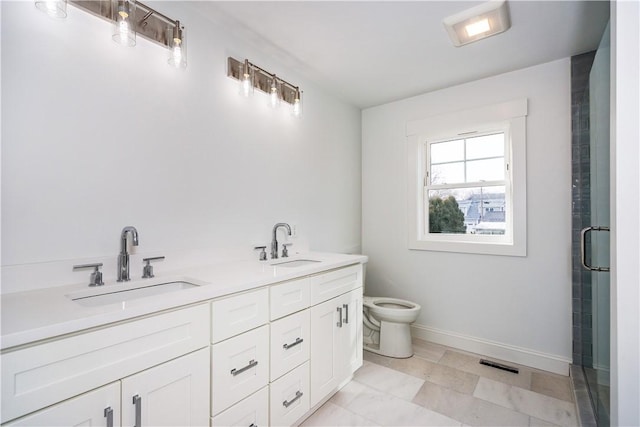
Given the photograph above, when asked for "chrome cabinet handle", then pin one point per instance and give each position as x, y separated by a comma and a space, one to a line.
137, 400
252, 425
583, 245
251, 364
346, 312
289, 403
108, 414
293, 344
339, 324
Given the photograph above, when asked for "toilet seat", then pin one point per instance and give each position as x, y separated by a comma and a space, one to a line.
392, 309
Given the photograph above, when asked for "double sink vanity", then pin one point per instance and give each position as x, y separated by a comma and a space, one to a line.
252, 343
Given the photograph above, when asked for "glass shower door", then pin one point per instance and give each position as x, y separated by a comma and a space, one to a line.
596, 238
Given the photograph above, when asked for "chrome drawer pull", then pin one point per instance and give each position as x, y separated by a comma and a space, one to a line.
339, 323
108, 414
293, 344
289, 403
137, 400
251, 364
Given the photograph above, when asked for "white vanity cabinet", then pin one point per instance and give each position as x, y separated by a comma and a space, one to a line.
163, 359
265, 356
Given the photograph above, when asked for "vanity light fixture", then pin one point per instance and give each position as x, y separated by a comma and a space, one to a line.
53, 8
130, 18
253, 77
479, 22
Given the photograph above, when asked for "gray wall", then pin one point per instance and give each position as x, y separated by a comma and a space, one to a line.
96, 136
516, 308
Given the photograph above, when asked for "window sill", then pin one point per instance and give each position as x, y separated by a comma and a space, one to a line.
484, 248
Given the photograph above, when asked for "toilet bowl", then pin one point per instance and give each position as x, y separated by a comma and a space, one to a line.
387, 324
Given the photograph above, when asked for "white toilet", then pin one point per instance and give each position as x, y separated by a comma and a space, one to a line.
387, 325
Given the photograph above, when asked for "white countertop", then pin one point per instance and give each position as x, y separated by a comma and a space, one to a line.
40, 314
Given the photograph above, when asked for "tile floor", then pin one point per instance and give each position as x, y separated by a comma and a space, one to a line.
440, 386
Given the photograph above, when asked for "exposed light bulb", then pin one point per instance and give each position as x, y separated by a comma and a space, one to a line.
124, 32
296, 110
177, 46
124, 29
246, 85
177, 55
274, 98
246, 80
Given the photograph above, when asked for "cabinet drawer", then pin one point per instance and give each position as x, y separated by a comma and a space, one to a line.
235, 315
329, 285
254, 410
289, 297
289, 343
41, 375
240, 366
290, 397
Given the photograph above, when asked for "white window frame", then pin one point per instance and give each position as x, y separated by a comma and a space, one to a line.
508, 117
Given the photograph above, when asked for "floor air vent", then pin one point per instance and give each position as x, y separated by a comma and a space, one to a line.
499, 366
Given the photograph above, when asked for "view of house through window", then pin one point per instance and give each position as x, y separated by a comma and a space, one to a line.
466, 184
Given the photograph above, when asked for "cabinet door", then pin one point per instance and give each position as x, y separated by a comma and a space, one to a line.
336, 345
325, 348
175, 393
352, 333
100, 407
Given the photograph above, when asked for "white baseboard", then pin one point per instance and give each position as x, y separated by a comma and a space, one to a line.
508, 353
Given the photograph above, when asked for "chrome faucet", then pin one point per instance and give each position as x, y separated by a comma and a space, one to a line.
123, 257
274, 241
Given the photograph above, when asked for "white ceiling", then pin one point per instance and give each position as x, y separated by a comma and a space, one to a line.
372, 52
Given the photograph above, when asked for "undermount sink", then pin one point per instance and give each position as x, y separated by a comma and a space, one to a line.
295, 263
121, 294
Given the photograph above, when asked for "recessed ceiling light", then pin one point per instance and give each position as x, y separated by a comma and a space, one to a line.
477, 28
484, 20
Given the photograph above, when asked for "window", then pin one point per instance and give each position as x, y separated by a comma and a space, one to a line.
467, 181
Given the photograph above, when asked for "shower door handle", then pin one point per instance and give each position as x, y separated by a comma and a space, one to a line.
583, 247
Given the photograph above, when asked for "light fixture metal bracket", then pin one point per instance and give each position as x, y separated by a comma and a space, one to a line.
148, 23
262, 80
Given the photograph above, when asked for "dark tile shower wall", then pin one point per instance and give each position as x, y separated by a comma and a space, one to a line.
581, 201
